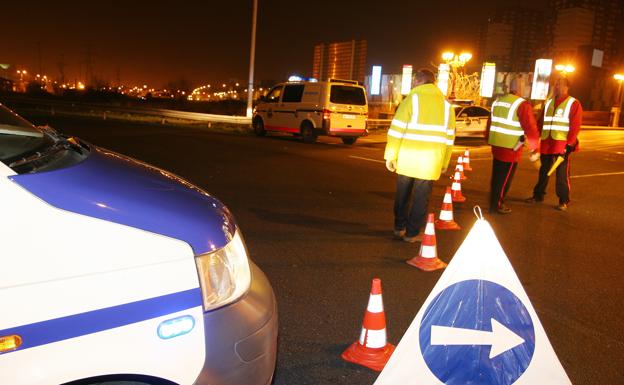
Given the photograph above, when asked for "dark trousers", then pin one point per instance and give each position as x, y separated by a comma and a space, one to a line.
410, 204
502, 175
562, 188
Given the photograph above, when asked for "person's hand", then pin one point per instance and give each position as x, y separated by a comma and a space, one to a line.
391, 165
534, 157
568, 149
444, 170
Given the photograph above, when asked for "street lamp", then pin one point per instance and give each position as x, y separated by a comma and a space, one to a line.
616, 111
565, 69
252, 55
455, 62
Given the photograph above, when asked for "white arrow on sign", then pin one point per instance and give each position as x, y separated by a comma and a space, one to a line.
501, 338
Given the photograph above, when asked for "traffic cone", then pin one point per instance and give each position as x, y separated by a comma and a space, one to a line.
427, 258
467, 161
371, 350
456, 193
460, 167
446, 221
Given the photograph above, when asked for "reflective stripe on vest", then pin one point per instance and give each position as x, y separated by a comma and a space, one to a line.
505, 128
433, 133
557, 120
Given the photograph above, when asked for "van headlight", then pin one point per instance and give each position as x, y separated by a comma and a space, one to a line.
224, 274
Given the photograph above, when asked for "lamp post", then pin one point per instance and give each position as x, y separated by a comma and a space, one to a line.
455, 62
618, 109
252, 55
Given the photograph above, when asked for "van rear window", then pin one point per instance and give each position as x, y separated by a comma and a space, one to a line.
347, 95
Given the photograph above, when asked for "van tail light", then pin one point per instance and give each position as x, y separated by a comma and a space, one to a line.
326, 119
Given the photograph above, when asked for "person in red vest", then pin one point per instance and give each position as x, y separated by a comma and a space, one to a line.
561, 124
511, 125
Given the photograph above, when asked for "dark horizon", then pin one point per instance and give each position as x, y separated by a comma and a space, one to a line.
152, 43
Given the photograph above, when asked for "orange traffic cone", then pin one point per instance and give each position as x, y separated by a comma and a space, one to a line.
467, 161
371, 350
456, 193
427, 258
460, 167
446, 221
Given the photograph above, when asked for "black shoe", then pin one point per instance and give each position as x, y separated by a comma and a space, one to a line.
533, 200
502, 209
399, 233
562, 207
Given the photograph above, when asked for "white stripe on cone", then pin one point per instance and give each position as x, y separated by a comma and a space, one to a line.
447, 199
373, 338
446, 215
428, 251
375, 304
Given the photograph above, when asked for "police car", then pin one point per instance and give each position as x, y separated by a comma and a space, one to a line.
115, 270
470, 120
309, 108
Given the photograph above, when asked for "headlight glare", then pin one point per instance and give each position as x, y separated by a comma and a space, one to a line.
224, 274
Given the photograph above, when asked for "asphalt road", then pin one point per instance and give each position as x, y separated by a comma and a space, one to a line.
318, 220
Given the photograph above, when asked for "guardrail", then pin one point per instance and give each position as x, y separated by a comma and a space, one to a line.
377, 124
105, 111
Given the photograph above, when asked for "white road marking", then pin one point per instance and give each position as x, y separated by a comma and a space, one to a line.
601, 174
368, 159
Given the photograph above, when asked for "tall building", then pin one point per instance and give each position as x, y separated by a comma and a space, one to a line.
340, 60
588, 34
512, 38
578, 24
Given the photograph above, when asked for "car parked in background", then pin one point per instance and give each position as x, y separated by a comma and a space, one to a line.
312, 108
116, 270
470, 120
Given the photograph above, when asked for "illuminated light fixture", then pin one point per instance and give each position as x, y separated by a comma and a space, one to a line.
444, 71
176, 327
465, 56
376, 80
567, 68
541, 79
294, 78
8, 343
447, 56
406, 80
488, 77
619, 77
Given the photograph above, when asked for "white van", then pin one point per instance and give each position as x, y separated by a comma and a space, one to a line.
115, 271
309, 108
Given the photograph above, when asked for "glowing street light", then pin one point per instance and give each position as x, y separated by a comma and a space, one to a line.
565, 69
618, 109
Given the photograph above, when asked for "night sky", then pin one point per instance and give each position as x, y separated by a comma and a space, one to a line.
155, 42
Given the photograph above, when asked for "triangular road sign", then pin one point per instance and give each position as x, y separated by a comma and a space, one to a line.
476, 327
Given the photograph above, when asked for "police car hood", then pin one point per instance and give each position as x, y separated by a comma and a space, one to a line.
118, 189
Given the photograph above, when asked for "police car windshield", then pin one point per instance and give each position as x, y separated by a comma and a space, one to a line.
17, 135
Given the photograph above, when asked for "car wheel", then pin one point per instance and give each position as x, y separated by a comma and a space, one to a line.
258, 127
308, 135
348, 139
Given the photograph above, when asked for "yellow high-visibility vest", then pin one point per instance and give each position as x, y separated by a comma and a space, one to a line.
557, 120
505, 128
422, 134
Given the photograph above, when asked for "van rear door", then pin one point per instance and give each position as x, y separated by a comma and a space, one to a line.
347, 110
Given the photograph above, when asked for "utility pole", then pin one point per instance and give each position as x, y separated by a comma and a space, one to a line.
252, 55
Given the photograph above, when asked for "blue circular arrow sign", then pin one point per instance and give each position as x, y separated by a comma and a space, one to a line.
477, 332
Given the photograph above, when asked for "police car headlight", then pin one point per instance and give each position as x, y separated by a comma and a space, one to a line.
224, 274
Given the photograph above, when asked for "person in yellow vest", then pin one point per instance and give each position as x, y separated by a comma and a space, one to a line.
561, 124
419, 146
511, 125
